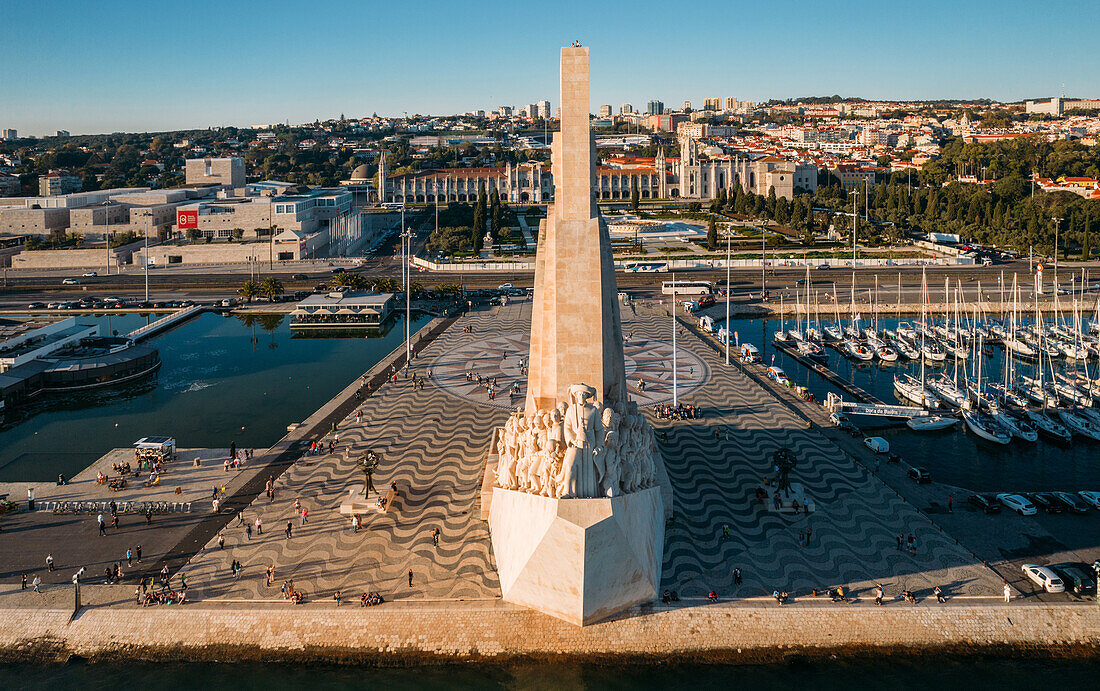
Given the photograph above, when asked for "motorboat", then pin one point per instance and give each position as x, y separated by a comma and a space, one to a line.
886, 353
833, 333
930, 423
857, 350
985, 427
1079, 424
1048, 427
812, 350
910, 388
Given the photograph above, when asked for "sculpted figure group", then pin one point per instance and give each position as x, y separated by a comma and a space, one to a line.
577, 450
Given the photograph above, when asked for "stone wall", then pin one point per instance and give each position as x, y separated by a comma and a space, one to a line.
471, 630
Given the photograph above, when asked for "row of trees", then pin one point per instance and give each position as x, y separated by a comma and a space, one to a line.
269, 287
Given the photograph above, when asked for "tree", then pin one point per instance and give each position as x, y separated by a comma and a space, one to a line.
238, 233
193, 234
712, 235
495, 215
271, 287
249, 290
635, 199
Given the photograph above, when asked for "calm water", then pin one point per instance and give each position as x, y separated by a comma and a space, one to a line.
954, 456
886, 673
223, 379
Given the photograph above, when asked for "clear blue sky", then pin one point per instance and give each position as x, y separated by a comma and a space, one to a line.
152, 65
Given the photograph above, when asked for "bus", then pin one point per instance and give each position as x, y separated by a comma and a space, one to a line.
646, 267
687, 287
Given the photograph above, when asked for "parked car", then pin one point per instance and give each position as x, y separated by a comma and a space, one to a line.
90, 274
36, 306
1044, 578
706, 301
984, 502
1078, 578
1045, 502
1071, 502
877, 444
838, 418
921, 476
505, 286
779, 375
1017, 503
823, 267
70, 282
1092, 498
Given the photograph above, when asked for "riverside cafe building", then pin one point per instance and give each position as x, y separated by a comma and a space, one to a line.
342, 310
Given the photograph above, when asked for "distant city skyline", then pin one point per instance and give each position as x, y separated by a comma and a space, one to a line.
135, 66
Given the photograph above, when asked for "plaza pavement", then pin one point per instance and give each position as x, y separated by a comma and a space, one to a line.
433, 441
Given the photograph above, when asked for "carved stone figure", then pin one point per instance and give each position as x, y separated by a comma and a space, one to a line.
608, 461
583, 432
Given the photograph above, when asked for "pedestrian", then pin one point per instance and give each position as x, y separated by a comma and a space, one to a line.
137, 551
289, 529
878, 594
939, 594
248, 532
336, 596
221, 540
38, 581
49, 562
305, 515
148, 515
726, 531
129, 557
259, 526
270, 575
801, 537
809, 532
737, 576
899, 542
102, 525
1008, 592
355, 523
23, 582
410, 578
114, 521
435, 536
950, 501
240, 517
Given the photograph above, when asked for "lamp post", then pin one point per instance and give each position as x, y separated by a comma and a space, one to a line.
728, 241
107, 235
147, 266
1057, 225
675, 372
406, 277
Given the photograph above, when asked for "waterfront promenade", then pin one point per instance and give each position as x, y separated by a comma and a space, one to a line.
432, 441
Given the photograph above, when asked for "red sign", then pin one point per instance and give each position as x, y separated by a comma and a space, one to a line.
187, 219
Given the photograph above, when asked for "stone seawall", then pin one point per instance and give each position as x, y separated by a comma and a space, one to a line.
455, 631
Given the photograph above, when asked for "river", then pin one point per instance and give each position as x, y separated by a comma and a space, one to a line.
222, 379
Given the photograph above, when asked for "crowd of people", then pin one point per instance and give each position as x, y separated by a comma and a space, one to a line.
682, 411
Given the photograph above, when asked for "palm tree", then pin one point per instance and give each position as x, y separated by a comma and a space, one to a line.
351, 280
385, 285
271, 287
249, 290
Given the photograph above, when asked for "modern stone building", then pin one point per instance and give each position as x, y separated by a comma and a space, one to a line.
216, 171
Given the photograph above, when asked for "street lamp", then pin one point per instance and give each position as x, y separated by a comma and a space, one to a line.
406, 276
729, 237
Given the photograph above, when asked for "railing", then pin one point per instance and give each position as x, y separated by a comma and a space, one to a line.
164, 322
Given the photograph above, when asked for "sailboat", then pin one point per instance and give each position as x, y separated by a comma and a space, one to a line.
1048, 427
984, 426
1079, 424
780, 335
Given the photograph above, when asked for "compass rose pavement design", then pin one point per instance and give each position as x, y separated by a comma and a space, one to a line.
648, 370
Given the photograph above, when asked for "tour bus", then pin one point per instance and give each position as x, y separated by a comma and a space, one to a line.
687, 287
646, 267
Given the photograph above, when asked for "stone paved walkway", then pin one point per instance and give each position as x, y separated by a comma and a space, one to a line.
433, 444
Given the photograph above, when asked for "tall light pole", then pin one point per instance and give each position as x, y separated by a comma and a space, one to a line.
107, 234
675, 372
147, 265
407, 278
728, 241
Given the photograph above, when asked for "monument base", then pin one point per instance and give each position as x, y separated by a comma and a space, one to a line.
580, 560
789, 500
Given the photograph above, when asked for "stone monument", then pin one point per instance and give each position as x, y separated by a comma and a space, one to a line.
577, 516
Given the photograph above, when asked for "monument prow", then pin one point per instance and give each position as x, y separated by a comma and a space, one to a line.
577, 516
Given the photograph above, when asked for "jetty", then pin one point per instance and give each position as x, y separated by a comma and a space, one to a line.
153, 328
